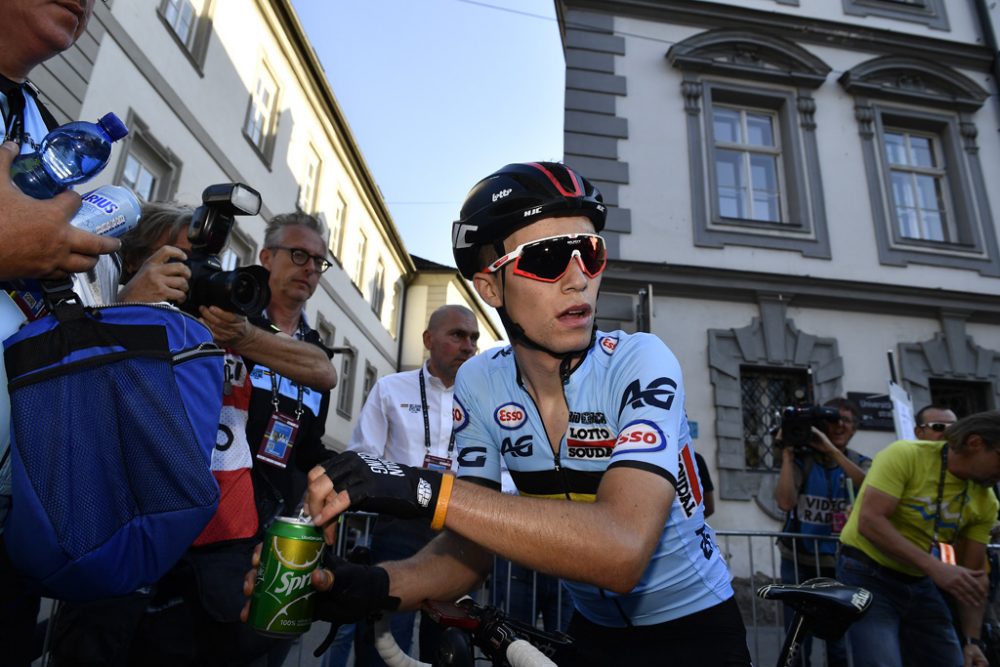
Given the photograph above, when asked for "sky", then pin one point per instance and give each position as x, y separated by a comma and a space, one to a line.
439, 94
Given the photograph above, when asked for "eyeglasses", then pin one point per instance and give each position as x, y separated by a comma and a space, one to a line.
300, 257
936, 426
548, 259
847, 420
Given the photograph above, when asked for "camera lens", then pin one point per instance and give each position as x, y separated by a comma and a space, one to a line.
247, 294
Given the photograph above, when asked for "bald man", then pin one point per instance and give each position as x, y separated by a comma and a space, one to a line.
407, 418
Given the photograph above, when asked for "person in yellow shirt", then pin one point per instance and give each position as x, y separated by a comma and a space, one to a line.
918, 531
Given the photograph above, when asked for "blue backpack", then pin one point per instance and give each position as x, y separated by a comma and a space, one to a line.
114, 414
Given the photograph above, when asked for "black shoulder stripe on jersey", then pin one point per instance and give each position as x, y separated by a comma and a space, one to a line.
548, 482
648, 467
481, 481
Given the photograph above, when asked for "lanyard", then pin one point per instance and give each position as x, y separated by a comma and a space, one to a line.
427, 419
940, 497
275, 378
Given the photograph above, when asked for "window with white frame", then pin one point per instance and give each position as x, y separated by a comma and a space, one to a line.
327, 332
919, 186
752, 133
139, 178
360, 250
378, 288
747, 163
371, 377
190, 25
345, 395
146, 167
181, 17
262, 113
337, 225
928, 195
309, 186
241, 250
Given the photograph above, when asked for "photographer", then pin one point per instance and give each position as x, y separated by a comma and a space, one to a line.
200, 597
812, 487
919, 530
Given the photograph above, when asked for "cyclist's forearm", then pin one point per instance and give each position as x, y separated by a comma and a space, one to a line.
607, 543
446, 569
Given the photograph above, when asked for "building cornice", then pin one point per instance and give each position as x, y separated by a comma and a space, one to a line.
695, 282
302, 54
792, 27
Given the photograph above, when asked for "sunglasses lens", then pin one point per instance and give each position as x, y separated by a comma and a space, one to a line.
548, 259
938, 427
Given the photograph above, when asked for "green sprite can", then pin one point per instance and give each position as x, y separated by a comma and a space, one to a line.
282, 603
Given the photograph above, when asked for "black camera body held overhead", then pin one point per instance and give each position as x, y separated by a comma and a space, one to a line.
797, 422
243, 290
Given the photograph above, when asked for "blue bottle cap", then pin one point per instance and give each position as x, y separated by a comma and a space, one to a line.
113, 125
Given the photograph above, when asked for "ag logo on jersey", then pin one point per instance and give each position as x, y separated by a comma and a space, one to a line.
520, 447
608, 344
510, 416
459, 416
640, 436
658, 394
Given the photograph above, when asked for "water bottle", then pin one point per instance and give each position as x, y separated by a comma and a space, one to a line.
110, 210
70, 154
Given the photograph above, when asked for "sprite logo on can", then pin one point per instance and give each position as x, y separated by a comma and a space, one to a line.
282, 603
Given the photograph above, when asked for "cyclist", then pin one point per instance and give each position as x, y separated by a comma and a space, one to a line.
577, 415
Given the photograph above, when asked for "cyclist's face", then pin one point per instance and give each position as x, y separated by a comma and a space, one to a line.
558, 314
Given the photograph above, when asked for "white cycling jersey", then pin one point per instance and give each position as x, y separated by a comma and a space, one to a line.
626, 408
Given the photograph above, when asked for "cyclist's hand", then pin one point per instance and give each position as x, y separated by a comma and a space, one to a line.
371, 484
347, 592
966, 586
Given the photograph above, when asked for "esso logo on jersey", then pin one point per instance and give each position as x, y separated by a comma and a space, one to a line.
510, 416
640, 436
608, 344
459, 416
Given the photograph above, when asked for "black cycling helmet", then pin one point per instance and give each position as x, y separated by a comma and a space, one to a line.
515, 196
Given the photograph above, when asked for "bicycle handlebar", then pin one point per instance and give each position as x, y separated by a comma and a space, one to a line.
519, 652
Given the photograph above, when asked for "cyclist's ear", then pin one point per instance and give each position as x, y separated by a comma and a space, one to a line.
490, 288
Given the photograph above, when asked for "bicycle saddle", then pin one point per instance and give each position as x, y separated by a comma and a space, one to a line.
827, 606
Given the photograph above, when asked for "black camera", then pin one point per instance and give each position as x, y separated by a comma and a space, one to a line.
797, 422
243, 290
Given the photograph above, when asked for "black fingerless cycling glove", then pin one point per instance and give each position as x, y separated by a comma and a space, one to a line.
358, 592
384, 487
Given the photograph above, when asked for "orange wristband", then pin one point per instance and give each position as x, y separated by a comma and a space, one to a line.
444, 495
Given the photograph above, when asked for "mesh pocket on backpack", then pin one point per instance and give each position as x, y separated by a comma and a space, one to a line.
138, 464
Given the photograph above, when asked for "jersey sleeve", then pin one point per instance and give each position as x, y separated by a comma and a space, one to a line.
648, 394
478, 454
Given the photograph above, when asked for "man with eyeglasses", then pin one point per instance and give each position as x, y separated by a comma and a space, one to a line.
295, 253
590, 425
815, 486
931, 422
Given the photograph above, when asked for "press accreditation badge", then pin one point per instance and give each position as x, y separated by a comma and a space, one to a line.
432, 462
944, 552
276, 447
